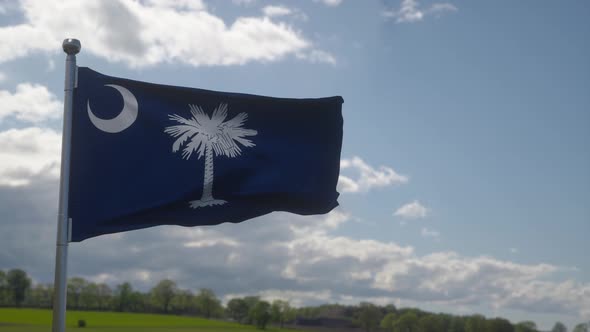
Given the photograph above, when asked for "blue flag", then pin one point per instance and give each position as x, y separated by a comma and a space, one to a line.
145, 154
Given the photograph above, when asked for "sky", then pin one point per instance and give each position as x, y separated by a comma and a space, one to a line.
464, 173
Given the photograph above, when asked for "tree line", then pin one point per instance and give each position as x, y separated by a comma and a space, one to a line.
17, 290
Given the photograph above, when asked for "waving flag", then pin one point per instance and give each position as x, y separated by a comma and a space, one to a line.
146, 154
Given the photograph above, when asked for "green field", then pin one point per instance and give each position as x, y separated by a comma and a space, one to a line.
36, 320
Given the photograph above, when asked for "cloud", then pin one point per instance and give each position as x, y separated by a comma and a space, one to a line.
303, 259
368, 177
409, 11
2, 77
413, 210
149, 33
430, 233
243, 2
271, 11
331, 3
50, 65
179, 4
30, 103
317, 56
28, 154
282, 11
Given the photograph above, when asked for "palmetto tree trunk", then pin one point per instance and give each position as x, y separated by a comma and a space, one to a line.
208, 180
207, 195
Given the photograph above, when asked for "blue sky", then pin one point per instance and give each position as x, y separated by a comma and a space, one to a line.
465, 183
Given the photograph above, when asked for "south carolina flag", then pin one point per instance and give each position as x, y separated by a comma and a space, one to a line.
146, 154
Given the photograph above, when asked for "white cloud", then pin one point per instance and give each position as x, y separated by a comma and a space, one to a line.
438, 8
50, 65
368, 177
331, 3
413, 210
179, 4
271, 11
409, 11
30, 102
243, 2
145, 34
289, 257
282, 11
27, 154
317, 56
431, 233
303, 259
2, 76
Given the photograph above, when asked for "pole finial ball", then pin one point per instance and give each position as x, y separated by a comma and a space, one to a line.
71, 46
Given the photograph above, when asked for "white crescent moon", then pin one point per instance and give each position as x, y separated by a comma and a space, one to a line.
121, 121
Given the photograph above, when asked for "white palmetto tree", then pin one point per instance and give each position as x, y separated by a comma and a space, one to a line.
209, 136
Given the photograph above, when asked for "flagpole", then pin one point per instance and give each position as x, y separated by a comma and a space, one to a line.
71, 47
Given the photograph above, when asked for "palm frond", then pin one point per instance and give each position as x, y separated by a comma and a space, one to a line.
199, 116
201, 132
219, 114
180, 119
237, 121
226, 146
184, 133
187, 129
245, 142
198, 143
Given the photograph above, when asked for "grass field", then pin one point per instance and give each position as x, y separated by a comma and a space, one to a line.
36, 320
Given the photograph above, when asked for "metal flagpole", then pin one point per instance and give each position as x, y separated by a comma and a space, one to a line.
71, 47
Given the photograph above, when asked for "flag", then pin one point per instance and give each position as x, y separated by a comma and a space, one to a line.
145, 154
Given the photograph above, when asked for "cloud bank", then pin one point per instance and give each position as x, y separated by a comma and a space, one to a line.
366, 177
410, 11
148, 33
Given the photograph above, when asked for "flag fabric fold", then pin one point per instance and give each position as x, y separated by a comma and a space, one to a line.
146, 154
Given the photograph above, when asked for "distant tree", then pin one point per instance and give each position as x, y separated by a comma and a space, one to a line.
387, 323
184, 303
75, 287
390, 308
456, 324
123, 297
4, 297
290, 315
499, 325
313, 312
369, 316
526, 326
208, 304
41, 296
138, 302
444, 320
89, 296
163, 293
407, 322
237, 309
475, 323
261, 314
559, 327
431, 323
583, 327
251, 302
104, 296
280, 312
18, 284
